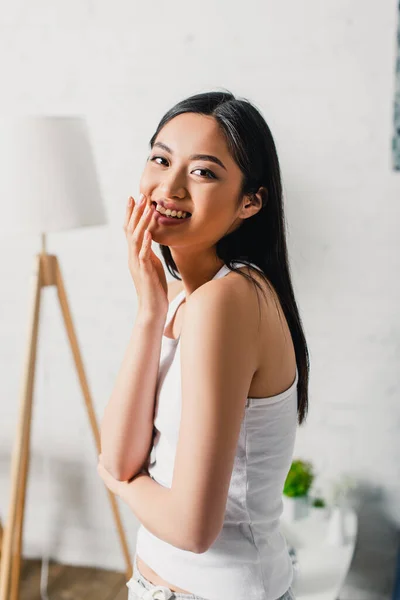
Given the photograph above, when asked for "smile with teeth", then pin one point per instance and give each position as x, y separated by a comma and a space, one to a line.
171, 213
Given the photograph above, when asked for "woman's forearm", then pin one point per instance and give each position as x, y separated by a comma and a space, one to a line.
127, 424
159, 511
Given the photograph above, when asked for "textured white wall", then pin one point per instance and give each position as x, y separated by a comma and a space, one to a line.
323, 75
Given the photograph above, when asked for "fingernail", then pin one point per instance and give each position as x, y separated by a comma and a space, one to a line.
141, 198
130, 200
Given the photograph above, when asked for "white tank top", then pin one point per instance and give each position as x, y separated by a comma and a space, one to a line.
249, 560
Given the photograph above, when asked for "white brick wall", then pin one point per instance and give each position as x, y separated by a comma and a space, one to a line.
323, 75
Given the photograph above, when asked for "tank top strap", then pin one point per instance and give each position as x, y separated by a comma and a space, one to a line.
224, 270
246, 263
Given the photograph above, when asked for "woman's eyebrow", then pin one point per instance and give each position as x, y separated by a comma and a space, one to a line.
209, 157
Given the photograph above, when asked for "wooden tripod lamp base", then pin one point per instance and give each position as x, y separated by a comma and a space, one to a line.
46, 272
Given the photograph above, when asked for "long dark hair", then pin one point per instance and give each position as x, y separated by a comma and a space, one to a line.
260, 239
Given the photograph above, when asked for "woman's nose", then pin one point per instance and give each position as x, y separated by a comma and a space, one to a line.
173, 184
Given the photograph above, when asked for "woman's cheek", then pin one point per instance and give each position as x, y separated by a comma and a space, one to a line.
148, 178
143, 183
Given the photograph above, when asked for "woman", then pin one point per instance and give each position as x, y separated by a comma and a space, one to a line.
216, 370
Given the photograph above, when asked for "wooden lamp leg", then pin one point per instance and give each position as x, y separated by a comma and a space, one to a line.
11, 546
46, 272
19, 523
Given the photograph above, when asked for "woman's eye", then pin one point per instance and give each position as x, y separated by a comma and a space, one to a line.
209, 174
153, 158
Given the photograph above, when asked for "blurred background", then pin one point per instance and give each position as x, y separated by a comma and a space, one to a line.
324, 76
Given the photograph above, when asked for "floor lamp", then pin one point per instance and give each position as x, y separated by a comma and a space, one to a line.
48, 183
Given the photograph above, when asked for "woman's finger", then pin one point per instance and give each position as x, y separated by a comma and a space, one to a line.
144, 220
136, 214
146, 245
128, 212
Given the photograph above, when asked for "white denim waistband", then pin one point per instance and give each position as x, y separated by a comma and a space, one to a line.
158, 592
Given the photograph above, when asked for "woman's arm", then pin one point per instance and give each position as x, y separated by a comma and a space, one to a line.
127, 424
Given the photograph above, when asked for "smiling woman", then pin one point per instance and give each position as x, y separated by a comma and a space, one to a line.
210, 398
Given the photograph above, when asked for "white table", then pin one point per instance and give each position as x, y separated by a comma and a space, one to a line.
322, 568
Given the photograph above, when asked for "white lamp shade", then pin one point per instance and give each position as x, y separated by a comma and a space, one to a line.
48, 179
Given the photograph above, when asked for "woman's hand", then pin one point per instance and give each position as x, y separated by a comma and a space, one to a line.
117, 486
146, 268
114, 485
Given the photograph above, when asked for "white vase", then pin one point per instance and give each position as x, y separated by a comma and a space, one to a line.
336, 533
295, 508
319, 513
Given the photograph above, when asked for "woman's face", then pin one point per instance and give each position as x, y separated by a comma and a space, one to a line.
207, 186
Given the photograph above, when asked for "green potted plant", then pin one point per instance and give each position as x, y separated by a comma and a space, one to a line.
295, 491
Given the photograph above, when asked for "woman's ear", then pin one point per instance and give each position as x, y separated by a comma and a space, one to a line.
255, 201
262, 195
